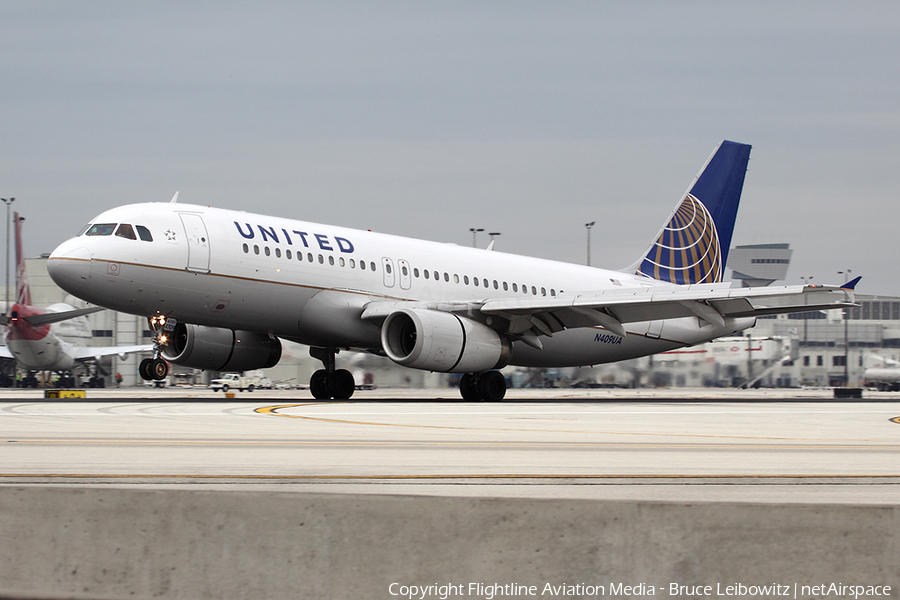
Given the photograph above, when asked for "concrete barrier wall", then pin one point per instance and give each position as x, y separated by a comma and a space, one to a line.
111, 543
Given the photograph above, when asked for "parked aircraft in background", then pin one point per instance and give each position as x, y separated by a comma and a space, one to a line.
52, 339
220, 288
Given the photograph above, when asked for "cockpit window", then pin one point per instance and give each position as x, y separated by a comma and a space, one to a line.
101, 229
126, 231
144, 233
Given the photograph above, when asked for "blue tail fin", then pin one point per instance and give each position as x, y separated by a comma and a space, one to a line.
693, 245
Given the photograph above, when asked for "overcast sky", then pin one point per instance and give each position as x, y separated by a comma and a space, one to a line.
427, 118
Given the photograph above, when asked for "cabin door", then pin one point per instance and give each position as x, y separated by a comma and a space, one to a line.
198, 242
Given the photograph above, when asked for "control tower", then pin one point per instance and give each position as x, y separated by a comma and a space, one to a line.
760, 264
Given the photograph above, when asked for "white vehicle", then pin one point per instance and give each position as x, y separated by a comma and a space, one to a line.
885, 379
234, 283
236, 381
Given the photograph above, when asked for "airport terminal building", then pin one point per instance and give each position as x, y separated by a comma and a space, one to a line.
807, 348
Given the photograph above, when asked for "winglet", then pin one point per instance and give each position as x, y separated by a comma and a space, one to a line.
174, 199
851, 285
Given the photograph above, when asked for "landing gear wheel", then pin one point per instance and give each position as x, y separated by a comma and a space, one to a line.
318, 385
342, 384
144, 369
492, 386
159, 369
468, 389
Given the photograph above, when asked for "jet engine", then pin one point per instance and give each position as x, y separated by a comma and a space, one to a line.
439, 341
215, 349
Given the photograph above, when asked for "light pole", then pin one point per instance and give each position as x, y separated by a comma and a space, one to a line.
475, 233
588, 227
7, 202
806, 281
846, 338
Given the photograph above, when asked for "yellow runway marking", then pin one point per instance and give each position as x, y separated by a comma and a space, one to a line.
273, 410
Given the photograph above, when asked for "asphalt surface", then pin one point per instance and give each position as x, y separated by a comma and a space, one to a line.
795, 446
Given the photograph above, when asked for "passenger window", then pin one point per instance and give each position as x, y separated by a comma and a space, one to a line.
101, 229
331, 260
309, 256
246, 249
387, 267
533, 291
144, 233
277, 252
485, 282
543, 291
321, 260
288, 255
255, 249
447, 277
505, 287
352, 263
416, 273
372, 264
466, 279
515, 287
362, 265
341, 261
427, 276
455, 278
496, 287
268, 251
475, 281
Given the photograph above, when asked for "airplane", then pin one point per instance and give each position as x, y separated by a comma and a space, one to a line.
221, 288
51, 339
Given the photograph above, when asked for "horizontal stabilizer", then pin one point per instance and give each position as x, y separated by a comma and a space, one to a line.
57, 317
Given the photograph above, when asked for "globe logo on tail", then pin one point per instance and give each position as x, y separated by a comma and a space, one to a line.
687, 250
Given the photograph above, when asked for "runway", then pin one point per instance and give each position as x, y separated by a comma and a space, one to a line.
690, 445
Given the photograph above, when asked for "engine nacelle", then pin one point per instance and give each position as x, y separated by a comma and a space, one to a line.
439, 341
215, 349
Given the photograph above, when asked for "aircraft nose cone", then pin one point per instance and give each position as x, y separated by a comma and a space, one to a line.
69, 266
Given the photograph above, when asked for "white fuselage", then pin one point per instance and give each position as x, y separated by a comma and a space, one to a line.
309, 282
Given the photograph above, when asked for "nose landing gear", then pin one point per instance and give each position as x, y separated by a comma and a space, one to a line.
156, 369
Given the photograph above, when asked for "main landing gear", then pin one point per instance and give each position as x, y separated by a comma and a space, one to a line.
329, 382
489, 386
156, 369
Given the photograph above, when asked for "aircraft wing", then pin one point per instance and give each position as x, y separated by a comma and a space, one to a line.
711, 302
614, 308
98, 352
